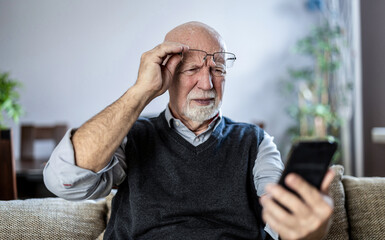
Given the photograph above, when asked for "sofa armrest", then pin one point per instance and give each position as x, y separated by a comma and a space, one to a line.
365, 204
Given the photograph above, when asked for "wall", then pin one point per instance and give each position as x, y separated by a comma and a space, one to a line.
373, 84
76, 57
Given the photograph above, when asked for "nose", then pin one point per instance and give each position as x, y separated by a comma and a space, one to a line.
205, 81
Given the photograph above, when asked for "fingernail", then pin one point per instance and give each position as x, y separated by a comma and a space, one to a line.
291, 178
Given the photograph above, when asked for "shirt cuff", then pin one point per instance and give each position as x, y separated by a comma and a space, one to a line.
69, 181
271, 232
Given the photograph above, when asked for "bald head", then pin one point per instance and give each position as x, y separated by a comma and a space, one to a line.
197, 35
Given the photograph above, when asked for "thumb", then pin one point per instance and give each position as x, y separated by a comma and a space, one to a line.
168, 70
172, 63
327, 181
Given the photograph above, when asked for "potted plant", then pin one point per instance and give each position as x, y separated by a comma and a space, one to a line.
10, 108
314, 107
9, 97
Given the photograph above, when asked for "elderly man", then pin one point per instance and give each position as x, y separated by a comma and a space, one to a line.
189, 173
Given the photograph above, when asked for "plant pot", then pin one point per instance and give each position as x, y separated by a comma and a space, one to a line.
7, 167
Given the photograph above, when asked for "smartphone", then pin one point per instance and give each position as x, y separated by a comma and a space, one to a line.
310, 159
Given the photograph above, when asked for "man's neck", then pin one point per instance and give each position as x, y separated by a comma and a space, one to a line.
196, 127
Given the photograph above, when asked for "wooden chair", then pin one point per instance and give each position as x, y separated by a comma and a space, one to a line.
31, 133
29, 169
8, 190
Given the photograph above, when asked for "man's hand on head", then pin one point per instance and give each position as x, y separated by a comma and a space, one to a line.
157, 68
310, 214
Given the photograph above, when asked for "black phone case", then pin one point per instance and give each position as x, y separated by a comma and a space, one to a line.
310, 160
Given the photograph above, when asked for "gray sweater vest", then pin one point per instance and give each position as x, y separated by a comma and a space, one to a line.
174, 190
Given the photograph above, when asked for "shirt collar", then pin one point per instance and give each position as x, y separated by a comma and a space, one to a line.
170, 118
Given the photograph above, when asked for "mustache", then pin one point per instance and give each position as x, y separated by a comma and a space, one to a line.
202, 94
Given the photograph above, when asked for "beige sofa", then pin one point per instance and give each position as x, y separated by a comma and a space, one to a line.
359, 214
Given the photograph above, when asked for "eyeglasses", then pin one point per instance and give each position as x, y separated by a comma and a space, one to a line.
194, 59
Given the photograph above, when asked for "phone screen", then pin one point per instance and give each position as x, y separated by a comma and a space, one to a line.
310, 160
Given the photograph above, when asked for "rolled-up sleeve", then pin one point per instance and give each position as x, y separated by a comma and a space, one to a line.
66, 180
268, 166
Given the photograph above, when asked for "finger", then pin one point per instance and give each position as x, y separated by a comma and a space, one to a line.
328, 179
271, 207
287, 199
273, 210
172, 63
278, 221
311, 195
168, 48
277, 227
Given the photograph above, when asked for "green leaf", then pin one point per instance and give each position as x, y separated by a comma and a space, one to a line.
8, 98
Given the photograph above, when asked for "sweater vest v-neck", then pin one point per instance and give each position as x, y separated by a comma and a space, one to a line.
174, 190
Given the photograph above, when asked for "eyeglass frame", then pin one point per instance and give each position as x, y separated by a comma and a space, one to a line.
212, 55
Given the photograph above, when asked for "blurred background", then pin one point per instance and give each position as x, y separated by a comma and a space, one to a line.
73, 58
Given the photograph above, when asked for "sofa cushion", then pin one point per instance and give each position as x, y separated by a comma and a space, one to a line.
365, 203
108, 204
339, 226
51, 218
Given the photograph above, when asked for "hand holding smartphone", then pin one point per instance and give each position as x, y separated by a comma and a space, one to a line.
310, 159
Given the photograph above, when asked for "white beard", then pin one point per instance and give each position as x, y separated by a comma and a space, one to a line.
201, 113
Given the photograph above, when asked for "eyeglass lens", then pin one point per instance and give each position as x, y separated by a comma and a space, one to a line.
196, 58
